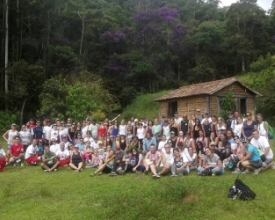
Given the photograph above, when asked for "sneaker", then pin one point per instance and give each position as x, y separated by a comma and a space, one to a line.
122, 172
246, 172
214, 174
100, 173
256, 172
6, 164
237, 171
92, 174
174, 175
14, 164
146, 172
18, 161
273, 165
46, 170
22, 164
113, 174
55, 170
156, 176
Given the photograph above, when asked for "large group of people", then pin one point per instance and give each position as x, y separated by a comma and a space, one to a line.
204, 144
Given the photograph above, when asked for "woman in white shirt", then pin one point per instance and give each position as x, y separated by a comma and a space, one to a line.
238, 127
262, 126
122, 128
140, 133
54, 132
25, 136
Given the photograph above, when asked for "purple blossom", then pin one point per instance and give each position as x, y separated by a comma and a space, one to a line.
115, 65
112, 36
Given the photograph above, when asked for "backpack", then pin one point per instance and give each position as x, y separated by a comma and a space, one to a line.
241, 189
270, 132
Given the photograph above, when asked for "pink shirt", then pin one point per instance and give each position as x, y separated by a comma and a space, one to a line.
153, 157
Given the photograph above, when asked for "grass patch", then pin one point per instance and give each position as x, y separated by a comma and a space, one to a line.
143, 105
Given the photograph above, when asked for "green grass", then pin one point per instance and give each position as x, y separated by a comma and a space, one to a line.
143, 105
30, 193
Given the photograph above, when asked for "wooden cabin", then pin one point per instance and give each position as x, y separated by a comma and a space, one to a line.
206, 97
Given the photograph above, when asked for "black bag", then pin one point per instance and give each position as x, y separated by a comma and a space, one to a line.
263, 157
243, 190
207, 172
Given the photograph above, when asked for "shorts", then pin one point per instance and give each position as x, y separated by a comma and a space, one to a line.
267, 162
106, 169
256, 163
8, 146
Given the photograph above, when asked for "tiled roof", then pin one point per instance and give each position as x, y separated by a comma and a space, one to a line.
206, 88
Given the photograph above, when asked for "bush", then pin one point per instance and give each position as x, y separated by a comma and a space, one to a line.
7, 118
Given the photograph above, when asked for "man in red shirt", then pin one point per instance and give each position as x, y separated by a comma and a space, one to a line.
17, 152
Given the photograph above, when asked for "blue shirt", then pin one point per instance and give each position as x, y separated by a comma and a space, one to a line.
255, 153
147, 143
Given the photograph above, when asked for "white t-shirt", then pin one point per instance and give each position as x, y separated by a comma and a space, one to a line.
166, 131
122, 130
2, 153
168, 158
47, 132
140, 133
209, 119
93, 129
63, 154
63, 132
55, 148
238, 129
261, 129
31, 150
54, 134
262, 143
84, 131
178, 120
25, 137
11, 135
88, 139
161, 145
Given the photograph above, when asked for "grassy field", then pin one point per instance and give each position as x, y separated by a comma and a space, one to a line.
30, 193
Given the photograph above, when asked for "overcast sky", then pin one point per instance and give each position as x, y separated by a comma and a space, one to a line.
265, 4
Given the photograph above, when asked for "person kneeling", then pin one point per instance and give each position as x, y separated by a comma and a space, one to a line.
49, 161
76, 162
31, 155
251, 159
211, 164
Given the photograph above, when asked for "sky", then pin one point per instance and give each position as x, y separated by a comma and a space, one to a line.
265, 4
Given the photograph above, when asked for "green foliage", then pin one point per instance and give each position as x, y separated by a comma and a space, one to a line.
143, 105
7, 118
98, 114
262, 63
227, 104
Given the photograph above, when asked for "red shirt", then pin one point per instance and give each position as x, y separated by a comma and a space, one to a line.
16, 150
102, 130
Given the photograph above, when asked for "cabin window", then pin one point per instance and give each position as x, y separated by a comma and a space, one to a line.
172, 108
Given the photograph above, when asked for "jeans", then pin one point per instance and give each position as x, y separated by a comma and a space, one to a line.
216, 170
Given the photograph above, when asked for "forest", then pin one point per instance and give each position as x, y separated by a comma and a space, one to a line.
64, 58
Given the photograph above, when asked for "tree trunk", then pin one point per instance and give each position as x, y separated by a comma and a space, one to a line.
22, 111
179, 72
6, 50
81, 40
243, 65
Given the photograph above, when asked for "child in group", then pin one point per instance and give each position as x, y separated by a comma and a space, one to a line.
95, 159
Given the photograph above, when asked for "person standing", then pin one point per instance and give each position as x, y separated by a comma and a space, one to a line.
25, 137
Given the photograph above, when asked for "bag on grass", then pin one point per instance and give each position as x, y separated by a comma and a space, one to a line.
241, 189
207, 172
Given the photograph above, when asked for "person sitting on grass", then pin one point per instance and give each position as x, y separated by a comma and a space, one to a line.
17, 152
119, 163
152, 161
31, 155
167, 159
96, 158
76, 161
107, 165
180, 164
63, 155
40, 146
55, 146
139, 166
3, 159
211, 161
88, 153
261, 143
191, 157
251, 158
130, 161
49, 161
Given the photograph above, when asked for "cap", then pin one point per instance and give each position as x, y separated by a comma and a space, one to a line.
75, 146
13, 124
64, 136
169, 141
172, 132
181, 132
198, 110
40, 140
99, 142
136, 120
213, 143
